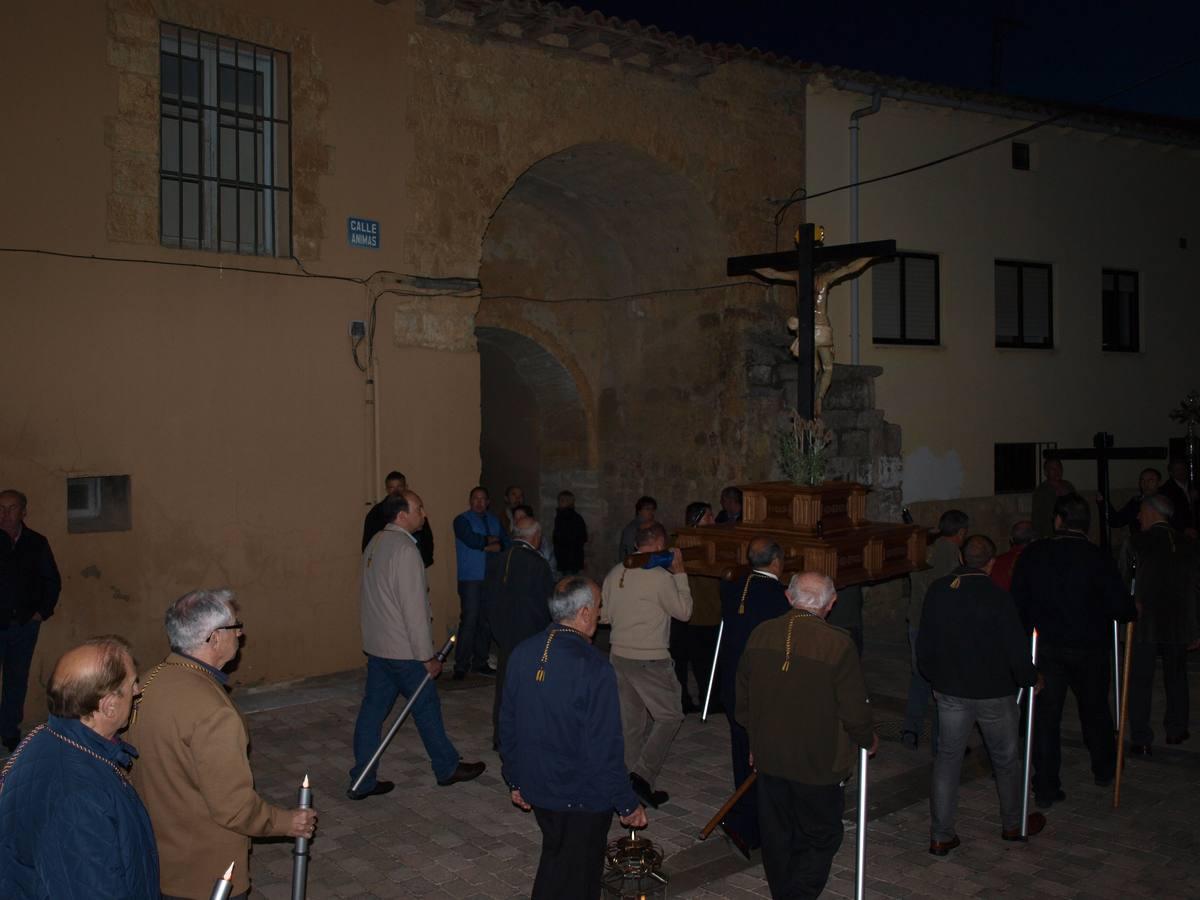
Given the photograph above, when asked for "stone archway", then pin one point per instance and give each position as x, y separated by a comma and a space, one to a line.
590, 338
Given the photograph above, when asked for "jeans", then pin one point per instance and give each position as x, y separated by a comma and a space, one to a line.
999, 720
801, 832
1141, 686
17, 643
386, 680
1085, 670
919, 695
474, 628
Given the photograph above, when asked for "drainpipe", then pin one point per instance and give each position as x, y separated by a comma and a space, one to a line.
876, 100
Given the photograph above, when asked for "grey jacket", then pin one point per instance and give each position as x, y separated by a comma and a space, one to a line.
396, 619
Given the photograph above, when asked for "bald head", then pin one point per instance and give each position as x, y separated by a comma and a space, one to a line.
764, 553
87, 676
812, 592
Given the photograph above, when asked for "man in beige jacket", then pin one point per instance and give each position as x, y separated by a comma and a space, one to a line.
192, 771
397, 634
639, 604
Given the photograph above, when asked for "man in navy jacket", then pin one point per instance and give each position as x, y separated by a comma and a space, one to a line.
71, 825
561, 744
29, 588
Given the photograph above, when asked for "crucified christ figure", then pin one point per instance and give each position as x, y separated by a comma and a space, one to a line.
822, 328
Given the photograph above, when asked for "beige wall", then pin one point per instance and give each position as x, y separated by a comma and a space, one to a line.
230, 397
1091, 201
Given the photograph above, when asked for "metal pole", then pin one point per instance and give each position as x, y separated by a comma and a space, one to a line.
712, 676
1124, 716
1116, 671
224, 886
1028, 751
440, 656
300, 851
860, 844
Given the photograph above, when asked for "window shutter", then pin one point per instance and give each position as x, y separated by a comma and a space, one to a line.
920, 299
1035, 284
1006, 304
885, 301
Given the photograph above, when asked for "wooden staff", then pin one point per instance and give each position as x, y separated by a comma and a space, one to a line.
1124, 714
729, 804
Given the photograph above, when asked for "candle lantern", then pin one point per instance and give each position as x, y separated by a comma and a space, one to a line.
632, 869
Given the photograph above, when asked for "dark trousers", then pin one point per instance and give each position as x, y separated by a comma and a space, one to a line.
474, 627
502, 654
1141, 685
801, 831
694, 646
17, 643
743, 818
1085, 670
572, 854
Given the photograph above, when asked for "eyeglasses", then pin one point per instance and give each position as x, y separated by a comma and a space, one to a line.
236, 626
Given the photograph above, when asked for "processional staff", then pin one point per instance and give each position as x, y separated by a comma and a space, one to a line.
440, 656
1124, 714
1028, 749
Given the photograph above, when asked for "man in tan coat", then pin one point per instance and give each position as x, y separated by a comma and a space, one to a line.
639, 604
192, 770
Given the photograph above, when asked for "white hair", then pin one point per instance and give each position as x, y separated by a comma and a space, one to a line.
569, 597
527, 529
196, 615
811, 591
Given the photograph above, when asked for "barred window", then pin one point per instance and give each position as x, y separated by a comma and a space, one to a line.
225, 151
1024, 305
904, 300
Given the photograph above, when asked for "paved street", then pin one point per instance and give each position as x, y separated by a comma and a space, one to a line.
467, 841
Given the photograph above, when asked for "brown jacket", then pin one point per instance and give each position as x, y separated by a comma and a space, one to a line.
807, 722
193, 774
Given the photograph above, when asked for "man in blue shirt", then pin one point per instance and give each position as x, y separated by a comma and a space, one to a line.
561, 746
71, 825
478, 540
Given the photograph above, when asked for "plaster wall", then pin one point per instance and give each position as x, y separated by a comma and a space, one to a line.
223, 385
1090, 202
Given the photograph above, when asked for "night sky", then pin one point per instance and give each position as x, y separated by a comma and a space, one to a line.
1080, 52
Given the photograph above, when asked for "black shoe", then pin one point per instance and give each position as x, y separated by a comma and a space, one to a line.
649, 796
1140, 750
486, 670
381, 787
459, 676
909, 739
465, 772
1045, 801
737, 840
1033, 825
12, 741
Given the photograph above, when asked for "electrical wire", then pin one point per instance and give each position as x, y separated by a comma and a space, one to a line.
801, 194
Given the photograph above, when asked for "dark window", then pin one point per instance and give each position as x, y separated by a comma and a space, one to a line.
98, 503
1120, 310
1024, 307
1020, 156
225, 150
904, 300
1018, 467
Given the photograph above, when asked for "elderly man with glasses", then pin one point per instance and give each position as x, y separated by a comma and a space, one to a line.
193, 772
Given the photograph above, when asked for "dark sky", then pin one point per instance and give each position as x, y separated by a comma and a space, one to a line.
1077, 51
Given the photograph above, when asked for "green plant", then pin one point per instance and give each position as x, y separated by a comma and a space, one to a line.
804, 449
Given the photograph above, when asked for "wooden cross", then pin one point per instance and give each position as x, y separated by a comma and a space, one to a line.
1102, 451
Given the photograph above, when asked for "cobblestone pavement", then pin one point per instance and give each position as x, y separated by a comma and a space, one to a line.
467, 841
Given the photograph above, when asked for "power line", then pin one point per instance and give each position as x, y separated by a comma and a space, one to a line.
801, 194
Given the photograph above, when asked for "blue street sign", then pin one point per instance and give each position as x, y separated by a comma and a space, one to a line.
362, 233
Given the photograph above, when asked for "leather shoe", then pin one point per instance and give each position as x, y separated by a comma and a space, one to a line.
1178, 740
1045, 801
941, 848
737, 840
649, 796
381, 787
465, 772
1140, 750
1033, 825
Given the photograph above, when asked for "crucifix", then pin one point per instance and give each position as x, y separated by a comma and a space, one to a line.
1102, 451
813, 268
